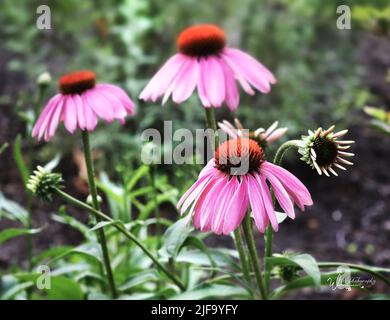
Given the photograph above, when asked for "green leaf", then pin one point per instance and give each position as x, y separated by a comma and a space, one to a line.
199, 244
221, 257
18, 157
10, 233
305, 261
61, 288
103, 224
139, 279
136, 176
3, 147
376, 113
174, 238
12, 210
209, 291
90, 250
64, 218
10, 287
51, 253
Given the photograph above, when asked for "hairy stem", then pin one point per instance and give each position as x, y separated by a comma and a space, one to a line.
95, 202
248, 231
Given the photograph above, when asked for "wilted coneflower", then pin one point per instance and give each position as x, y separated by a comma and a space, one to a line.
206, 63
323, 150
260, 135
236, 177
80, 103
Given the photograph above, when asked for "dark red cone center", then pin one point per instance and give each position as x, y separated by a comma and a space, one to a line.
201, 40
77, 82
239, 156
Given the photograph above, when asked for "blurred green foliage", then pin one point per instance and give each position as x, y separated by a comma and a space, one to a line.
126, 41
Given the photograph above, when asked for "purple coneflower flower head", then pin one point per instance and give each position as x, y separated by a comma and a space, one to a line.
220, 198
206, 63
323, 150
260, 135
80, 103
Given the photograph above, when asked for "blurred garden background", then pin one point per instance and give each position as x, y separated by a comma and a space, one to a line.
325, 76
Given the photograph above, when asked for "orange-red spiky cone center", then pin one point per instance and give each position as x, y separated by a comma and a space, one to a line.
201, 40
239, 153
77, 82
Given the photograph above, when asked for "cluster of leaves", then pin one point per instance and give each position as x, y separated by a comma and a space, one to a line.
380, 119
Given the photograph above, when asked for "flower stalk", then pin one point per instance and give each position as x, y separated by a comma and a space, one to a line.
248, 232
95, 202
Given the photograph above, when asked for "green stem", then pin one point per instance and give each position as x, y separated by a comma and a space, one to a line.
269, 234
156, 208
248, 232
95, 202
212, 123
123, 230
242, 255
282, 150
268, 239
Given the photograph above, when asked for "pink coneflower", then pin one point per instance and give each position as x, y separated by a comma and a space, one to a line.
79, 105
260, 135
219, 199
206, 63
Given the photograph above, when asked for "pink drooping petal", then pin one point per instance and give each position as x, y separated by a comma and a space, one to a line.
257, 204
222, 204
237, 208
232, 97
205, 209
193, 193
43, 117
70, 114
232, 132
163, 78
89, 116
281, 194
211, 83
111, 102
118, 92
54, 120
81, 120
202, 87
98, 105
276, 134
295, 188
210, 166
252, 70
186, 82
238, 74
175, 81
267, 200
